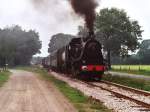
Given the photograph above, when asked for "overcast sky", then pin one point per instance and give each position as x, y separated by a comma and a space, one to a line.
57, 16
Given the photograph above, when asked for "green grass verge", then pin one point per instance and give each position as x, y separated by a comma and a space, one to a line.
127, 81
79, 100
4, 76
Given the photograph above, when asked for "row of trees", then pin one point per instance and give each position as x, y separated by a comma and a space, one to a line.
141, 57
58, 41
17, 46
144, 53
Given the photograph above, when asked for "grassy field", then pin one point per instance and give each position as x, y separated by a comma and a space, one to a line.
78, 99
133, 69
4, 76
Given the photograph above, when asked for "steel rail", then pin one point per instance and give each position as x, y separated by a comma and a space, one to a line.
138, 91
146, 105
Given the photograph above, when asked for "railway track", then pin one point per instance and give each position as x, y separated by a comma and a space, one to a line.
139, 97
138, 91
116, 97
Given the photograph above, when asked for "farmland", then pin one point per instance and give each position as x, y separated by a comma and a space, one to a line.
134, 69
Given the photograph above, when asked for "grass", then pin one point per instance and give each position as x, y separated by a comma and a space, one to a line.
131, 82
4, 76
132, 69
78, 99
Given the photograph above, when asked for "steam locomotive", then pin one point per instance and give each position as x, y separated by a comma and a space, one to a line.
82, 58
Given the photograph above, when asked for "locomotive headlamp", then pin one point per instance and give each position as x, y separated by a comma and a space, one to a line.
84, 68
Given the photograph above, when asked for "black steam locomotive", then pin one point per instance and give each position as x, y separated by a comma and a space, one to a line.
82, 58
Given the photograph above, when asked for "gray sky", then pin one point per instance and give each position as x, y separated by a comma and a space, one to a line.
57, 16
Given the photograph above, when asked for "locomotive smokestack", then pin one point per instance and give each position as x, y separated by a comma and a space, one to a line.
91, 34
86, 9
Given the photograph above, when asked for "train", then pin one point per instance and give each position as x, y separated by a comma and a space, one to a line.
81, 58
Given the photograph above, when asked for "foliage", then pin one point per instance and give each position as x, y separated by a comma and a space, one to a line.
120, 34
142, 56
144, 52
18, 46
132, 59
59, 40
36, 60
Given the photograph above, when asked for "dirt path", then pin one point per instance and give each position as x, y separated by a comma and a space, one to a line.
24, 92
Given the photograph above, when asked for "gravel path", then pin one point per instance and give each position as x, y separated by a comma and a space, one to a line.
129, 75
25, 92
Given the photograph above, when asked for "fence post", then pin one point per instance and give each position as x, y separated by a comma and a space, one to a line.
139, 68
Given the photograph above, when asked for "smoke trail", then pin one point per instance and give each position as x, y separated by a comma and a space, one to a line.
86, 8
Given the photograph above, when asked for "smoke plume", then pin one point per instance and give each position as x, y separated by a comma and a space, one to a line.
86, 8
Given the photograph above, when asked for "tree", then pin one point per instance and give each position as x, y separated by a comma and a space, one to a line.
17, 46
144, 52
58, 41
119, 34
